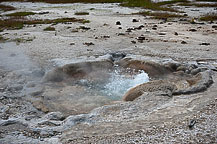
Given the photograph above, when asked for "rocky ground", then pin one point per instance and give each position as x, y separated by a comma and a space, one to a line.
31, 52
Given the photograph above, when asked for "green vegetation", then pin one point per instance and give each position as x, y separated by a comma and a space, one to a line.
209, 17
148, 4
199, 4
6, 8
21, 14
82, 13
207, 0
49, 29
160, 15
14, 23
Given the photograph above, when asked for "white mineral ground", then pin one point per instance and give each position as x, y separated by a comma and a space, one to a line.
166, 122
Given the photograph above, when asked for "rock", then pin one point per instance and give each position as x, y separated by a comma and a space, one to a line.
192, 30
214, 26
162, 86
119, 34
191, 123
84, 28
141, 38
129, 30
172, 66
117, 56
185, 14
88, 43
200, 82
183, 42
72, 44
134, 42
182, 68
176, 33
42, 13
119, 27
154, 28
195, 71
135, 20
162, 33
118, 23
205, 44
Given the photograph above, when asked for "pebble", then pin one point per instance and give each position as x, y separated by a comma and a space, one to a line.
118, 23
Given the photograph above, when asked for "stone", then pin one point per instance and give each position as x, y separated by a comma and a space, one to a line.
183, 42
157, 86
192, 30
195, 71
182, 68
88, 43
205, 44
214, 26
135, 20
118, 23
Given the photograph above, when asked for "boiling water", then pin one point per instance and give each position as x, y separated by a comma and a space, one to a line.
119, 83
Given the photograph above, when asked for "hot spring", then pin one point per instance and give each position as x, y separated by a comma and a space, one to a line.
79, 87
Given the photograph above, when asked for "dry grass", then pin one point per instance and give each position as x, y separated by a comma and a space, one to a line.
14, 23
199, 4
160, 15
49, 28
18, 14
82, 13
209, 17
148, 4
6, 8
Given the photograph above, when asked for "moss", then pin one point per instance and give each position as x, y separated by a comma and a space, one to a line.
6, 8
82, 13
209, 17
21, 14
14, 23
49, 29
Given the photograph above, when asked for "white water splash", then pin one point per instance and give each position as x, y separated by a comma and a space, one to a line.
119, 84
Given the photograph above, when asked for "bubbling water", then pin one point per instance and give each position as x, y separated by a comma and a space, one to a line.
119, 83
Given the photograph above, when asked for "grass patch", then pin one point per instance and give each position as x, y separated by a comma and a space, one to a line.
199, 4
160, 15
71, 1
148, 4
14, 23
82, 13
209, 17
21, 14
6, 8
207, 0
49, 29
